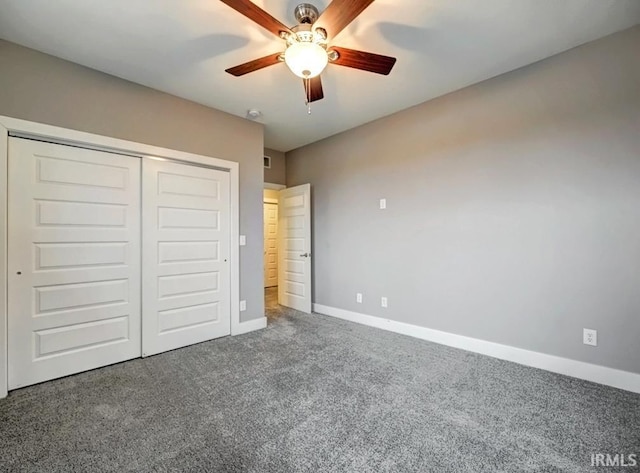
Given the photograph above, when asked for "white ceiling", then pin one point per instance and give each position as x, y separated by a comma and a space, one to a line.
183, 47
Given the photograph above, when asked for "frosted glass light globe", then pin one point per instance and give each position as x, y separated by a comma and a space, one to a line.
306, 59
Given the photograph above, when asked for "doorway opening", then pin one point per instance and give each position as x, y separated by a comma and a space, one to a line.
270, 212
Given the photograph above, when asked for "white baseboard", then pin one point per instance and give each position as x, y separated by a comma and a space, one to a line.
577, 369
250, 326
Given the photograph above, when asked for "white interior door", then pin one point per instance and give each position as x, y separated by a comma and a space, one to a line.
294, 247
270, 245
74, 260
186, 229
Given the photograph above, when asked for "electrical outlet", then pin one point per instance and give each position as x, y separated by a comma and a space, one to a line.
590, 337
383, 204
383, 302
243, 306
359, 298
243, 240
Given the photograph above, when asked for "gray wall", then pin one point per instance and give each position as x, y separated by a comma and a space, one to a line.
513, 208
42, 88
275, 175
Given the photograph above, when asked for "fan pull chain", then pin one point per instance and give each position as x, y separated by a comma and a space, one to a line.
308, 95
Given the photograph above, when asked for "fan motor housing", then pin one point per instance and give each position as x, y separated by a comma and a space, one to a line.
306, 13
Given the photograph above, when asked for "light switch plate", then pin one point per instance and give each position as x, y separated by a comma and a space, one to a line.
243, 306
383, 204
243, 240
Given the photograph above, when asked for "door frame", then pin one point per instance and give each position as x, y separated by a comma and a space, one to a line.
27, 129
275, 187
272, 187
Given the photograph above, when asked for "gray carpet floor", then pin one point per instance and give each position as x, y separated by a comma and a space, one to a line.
315, 394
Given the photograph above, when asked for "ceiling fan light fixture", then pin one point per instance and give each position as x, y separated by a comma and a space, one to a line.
306, 59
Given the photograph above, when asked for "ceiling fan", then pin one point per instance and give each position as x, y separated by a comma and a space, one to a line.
307, 51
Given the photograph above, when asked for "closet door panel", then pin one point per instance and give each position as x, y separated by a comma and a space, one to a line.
186, 276
74, 260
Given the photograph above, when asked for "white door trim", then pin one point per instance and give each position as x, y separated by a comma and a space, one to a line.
56, 134
275, 187
4, 348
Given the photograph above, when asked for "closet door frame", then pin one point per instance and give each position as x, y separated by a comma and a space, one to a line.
26, 129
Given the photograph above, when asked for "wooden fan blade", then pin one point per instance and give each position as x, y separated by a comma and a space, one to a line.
339, 14
257, 14
315, 84
254, 65
361, 60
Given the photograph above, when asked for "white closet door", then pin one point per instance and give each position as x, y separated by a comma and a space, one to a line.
74, 260
186, 282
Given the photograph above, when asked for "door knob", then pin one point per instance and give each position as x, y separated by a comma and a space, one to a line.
305, 255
